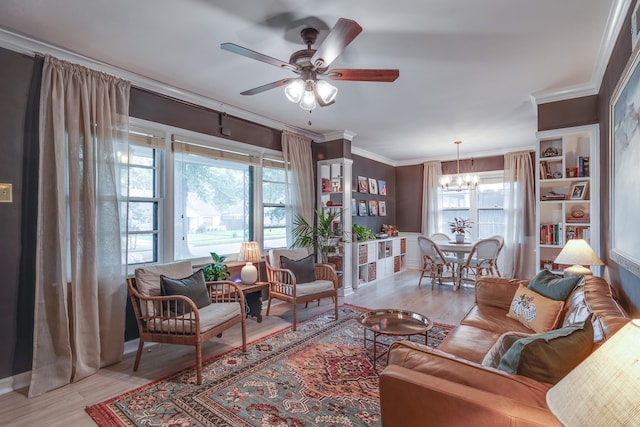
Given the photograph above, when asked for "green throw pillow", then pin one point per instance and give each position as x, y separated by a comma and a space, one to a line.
553, 286
303, 269
193, 287
548, 357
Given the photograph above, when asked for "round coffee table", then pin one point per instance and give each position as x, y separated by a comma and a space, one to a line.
393, 322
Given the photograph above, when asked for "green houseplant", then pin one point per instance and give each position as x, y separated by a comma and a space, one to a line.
321, 237
217, 270
362, 233
459, 227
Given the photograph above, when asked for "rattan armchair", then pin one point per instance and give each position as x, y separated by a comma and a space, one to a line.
434, 261
284, 286
158, 322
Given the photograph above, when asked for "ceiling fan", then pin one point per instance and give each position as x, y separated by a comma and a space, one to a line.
308, 89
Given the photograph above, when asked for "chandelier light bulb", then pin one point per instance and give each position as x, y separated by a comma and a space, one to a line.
308, 101
326, 91
294, 90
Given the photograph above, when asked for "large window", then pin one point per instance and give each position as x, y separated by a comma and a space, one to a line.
192, 195
145, 204
483, 206
274, 191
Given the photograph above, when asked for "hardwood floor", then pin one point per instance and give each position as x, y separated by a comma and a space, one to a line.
65, 406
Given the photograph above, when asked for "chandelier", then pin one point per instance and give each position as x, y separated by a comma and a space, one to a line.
461, 181
309, 91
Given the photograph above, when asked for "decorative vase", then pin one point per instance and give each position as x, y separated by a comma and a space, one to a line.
459, 238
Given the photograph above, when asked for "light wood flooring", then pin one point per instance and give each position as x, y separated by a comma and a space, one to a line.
65, 406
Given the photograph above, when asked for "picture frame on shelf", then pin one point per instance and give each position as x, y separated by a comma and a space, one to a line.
373, 208
363, 184
382, 187
624, 155
579, 190
362, 208
382, 208
373, 186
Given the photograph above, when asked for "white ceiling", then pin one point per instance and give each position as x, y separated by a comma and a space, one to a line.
469, 69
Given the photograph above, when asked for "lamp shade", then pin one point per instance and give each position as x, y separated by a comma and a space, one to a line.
577, 253
603, 390
249, 252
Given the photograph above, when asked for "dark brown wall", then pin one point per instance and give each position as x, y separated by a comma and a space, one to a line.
19, 86
409, 181
368, 168
564, 115
570, 112
162, 109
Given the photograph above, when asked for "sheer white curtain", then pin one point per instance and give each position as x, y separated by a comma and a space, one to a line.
520, 210
80, 289
296, 151
430, 198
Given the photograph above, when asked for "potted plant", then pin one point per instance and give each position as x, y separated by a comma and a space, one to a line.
323, 237
217, 270
458, 227
362, 233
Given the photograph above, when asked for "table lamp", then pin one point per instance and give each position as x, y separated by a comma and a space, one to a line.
249, 252
603, 390
577, 253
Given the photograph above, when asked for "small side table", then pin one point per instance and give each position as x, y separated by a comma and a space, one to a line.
253, 298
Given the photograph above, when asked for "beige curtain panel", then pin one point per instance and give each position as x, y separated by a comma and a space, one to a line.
296, 150
80, 288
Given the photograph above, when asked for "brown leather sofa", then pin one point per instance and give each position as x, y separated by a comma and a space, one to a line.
450, 387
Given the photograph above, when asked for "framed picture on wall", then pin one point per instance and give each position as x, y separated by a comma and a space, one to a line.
373, 186
373, 208
624, 154
362, 208
382, 208
354, 207
382, 187
363, 184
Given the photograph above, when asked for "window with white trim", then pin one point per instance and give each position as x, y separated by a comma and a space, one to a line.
483, 206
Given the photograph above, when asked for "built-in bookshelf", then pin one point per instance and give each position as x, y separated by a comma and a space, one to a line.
379, 259
334, 194
567, 191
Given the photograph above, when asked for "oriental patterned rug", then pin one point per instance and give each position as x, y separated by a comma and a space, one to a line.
319, 375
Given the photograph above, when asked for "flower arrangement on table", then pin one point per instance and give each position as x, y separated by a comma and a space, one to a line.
459, 226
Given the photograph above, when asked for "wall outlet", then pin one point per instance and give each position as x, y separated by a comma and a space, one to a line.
6, 193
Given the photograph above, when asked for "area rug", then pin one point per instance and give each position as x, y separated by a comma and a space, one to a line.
319, 375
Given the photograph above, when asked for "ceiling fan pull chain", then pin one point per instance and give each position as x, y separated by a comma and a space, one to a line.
309, 117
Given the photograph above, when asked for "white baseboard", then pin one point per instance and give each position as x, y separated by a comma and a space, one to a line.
16, 382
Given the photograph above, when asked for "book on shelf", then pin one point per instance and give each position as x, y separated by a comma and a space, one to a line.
545, 170
583, 166
584, 219
553, 196
326, 185
551, 234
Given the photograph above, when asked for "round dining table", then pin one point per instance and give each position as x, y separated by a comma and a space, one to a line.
460, 250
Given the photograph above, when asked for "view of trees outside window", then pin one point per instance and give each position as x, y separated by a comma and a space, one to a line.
213, 205
274, 208
142, 222
483, 206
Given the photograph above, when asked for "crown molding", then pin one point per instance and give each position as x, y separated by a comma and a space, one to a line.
334, 135
615, 20
467, 156
32, 47
372, 156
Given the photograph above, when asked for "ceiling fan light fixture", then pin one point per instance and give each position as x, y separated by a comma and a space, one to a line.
326, 91
308, 101
295, 90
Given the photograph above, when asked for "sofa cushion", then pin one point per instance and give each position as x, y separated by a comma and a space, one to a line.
534, 310
192, 287
554, 286
550, 356
469, 343
315, 287
211, 316
303, 269
493, 319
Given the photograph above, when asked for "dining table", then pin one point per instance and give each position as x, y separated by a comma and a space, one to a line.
460, 250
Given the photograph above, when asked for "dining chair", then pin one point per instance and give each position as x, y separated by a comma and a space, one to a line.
434, 262
501, 240
482, 259
441, 237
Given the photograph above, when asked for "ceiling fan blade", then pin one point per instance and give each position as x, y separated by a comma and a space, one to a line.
234, 48
363, 75
336, 41
266, 87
